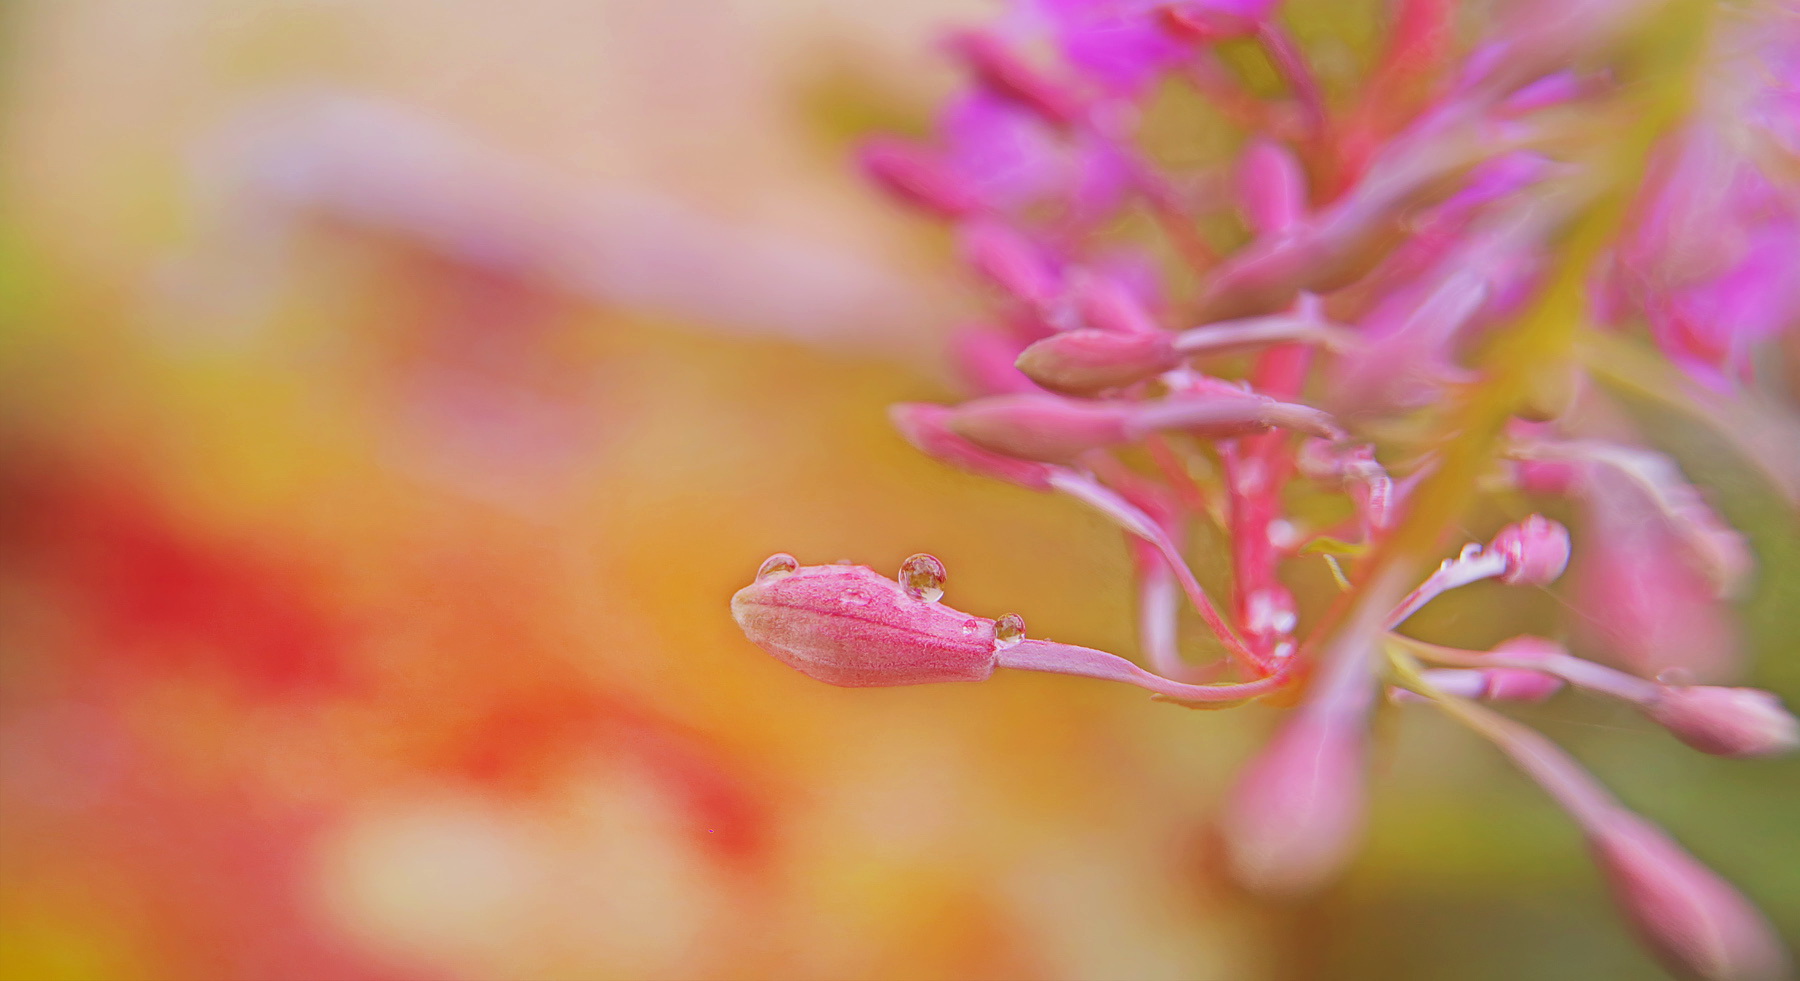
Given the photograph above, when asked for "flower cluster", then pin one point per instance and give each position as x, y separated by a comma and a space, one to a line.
1394, 301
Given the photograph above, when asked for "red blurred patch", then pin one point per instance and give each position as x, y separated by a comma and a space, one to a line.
160, 595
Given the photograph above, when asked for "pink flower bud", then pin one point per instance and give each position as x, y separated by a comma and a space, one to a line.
916, 177
927, 427
1046, 427
1519, 685
1086, 362
1640, 594
1009, 261
1107, 304
1001, 71
1547, 476
1296, 814
1200, 24
1737, 722
1536, 551
984, 358
1488, 684
1273, 187
846, 625
1054, 429
1695, 922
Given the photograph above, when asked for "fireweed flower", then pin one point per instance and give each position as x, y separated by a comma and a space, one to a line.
1328, 348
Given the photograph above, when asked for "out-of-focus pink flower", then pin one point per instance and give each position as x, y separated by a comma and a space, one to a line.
1117, 44
984, 357
1638, 594
1273, 187
927, 428
1009, 260
914, 175
1057, 430
1296, 814
1698, 926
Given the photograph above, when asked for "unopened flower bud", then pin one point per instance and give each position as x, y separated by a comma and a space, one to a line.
1201, 24
1273, 187
913, 175
927, 427
1695, 922
1048, 428
1086, 362
1001, 71
847, 625
1536, 551
1054, 429
1547, 476
1737, 722
984, 359
1519, 685
1009, 261
1488, 684
1107, 304
1296, 814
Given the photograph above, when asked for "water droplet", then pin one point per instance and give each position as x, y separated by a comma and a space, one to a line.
971, 627
922, 576
777, 565
1283, 533
1675, 677
1009, 630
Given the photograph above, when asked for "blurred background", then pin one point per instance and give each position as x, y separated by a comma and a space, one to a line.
391, 397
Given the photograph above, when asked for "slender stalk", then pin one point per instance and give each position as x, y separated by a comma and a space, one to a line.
1044, 655
1135, 521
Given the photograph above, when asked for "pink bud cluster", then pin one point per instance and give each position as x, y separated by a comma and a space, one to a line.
1303, 328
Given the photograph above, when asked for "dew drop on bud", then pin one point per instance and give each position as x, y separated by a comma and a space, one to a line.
1009, 630
922, 576
779, 564
1675, 677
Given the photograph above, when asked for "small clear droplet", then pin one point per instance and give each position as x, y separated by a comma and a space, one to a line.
1009, 630
777, 565
971, 627
1675, 677
922, 576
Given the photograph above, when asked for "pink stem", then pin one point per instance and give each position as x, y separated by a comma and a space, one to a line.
1291, 62
1460, 571
1085, 662
1579, 672
1251, 332
1541, 759
1129, 517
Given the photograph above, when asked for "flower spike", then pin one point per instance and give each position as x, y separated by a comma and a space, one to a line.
1420, 253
